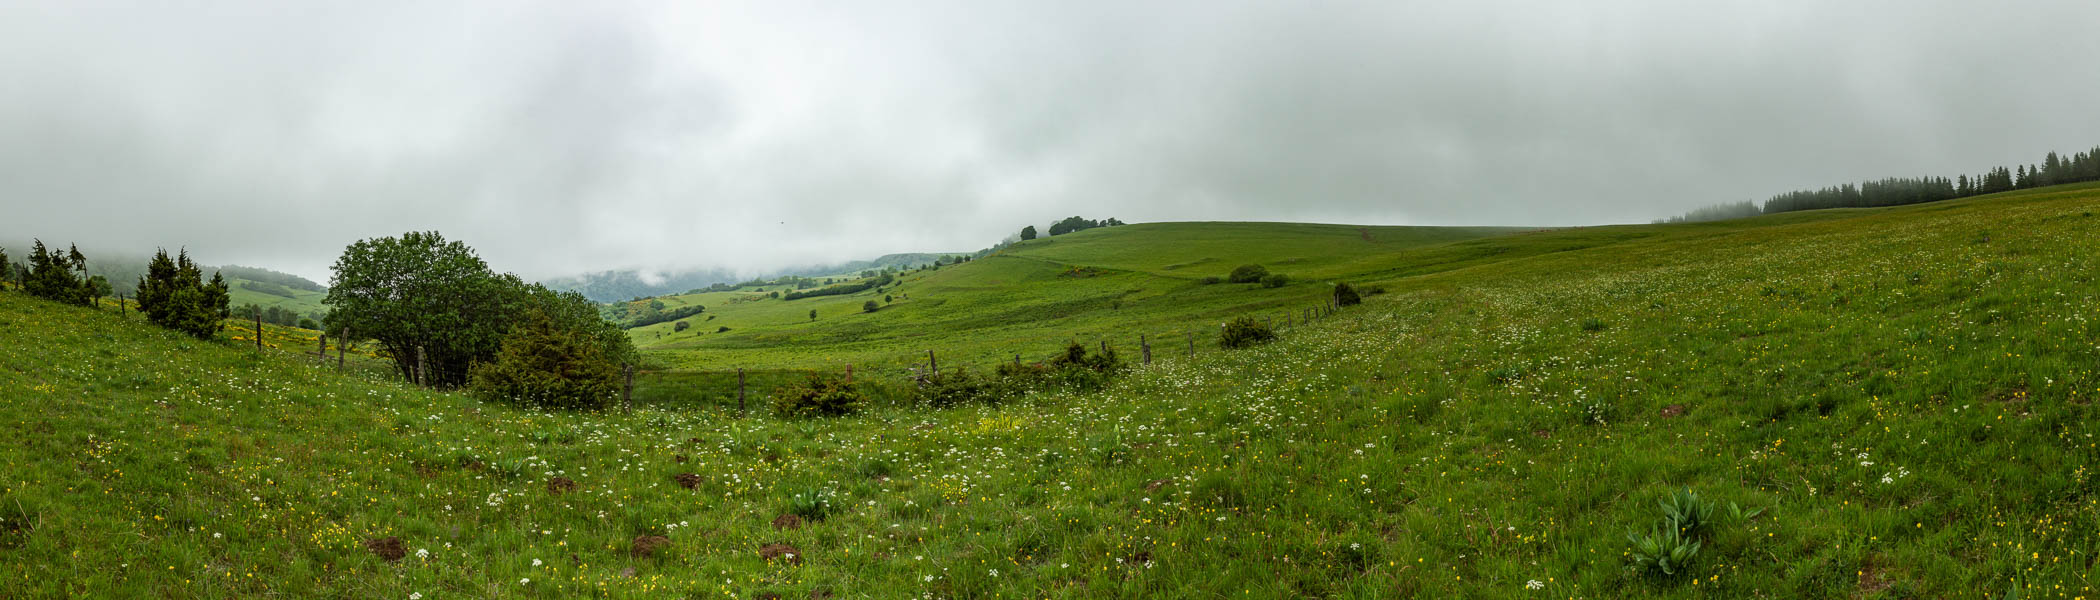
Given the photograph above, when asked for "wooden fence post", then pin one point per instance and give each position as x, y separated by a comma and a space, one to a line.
1017, 360
740, 389
849, 372
931, 365
258, 331
627, 395
1104, 347
1192, 345
341, 349
1145, 347
323, 353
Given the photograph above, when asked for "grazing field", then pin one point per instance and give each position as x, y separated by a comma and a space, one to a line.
1036, 296
1906, 394
304, 302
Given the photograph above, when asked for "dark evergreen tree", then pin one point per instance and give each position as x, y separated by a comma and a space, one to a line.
1028, 233
173, 294
56, 277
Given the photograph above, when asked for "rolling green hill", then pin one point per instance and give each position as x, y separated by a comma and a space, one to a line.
305, 302
1032, 298
1907, 394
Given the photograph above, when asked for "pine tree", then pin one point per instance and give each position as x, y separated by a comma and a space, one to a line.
52, 276
173, 294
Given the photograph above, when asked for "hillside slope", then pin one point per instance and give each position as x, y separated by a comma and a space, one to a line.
1030, 299
1907, 393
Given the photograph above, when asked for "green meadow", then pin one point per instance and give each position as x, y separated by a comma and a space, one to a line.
1899, 401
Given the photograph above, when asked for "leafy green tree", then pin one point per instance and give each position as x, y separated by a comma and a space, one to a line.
173, 294
5, 274
870, 306
1028, 233
423, 297
427, 301
812, 314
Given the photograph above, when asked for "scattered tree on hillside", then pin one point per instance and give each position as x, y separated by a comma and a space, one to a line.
58, 277
812, 314
5, 269
870, 306
173, 294
680, 326
437, 309
1028, 233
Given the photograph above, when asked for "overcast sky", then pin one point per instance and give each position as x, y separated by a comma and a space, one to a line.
573, 136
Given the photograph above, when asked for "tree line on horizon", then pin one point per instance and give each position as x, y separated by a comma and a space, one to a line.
2054, 169
1069, 225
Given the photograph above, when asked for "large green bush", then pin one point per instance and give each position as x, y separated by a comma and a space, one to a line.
1245, 331
1248, 274
1344, 295
819, 397
544, 364
1275, 280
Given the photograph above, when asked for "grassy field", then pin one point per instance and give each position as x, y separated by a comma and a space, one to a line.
1035, 297
1907, 393
303, 302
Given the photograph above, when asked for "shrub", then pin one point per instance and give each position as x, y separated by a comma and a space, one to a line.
956, 388
819, 397
543, 364
1592, 324
722, 329
1213, 280
1375, 290
1275, 280
1346, 296
680, 326
870, 306
1247, 274
1245, 331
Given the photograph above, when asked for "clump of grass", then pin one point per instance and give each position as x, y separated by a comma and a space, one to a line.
811, 504
1662, 551
1673, 542
1593, 325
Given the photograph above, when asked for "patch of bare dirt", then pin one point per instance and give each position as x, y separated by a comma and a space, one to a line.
784, 552
388, 548
645, 546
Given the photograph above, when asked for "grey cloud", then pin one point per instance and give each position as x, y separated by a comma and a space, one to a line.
560, 138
